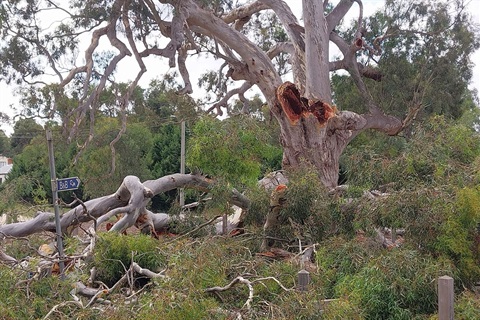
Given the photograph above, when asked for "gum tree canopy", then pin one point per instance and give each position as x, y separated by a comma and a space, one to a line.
258, 42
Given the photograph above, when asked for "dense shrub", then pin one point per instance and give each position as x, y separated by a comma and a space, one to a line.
467, 306
459, 235
114, 254
438, 152
308, 213
337, 258
399, 284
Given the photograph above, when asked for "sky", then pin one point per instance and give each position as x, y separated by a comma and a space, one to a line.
198, 66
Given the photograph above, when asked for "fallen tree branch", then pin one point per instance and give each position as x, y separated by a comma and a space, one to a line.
249, 284
55, 307
6, 259
148, 273
238, 279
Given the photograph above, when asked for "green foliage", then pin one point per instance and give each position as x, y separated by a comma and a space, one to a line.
131, 157
30, 176
21, 249
10, 308
368, 282
459, 236
4, 143
232, 149
395, 285
426, 66
308, 212
338, 258
162, 98
438, 152
165, 152
304, 195
193, 267
432, 181
438, 221
114, 254
24, 131
45, 292
259, 207
34, 302
341, 309
467, 306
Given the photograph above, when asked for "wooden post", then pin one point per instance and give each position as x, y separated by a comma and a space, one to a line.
445, 298
303, 280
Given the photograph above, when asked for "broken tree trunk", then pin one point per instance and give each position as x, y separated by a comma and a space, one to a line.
314, 132
277, 200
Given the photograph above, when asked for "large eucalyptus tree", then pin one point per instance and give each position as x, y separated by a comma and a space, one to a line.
258, 42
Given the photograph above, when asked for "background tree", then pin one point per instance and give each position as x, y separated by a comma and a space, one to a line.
4, 144
237, 150
101, 176
437, 70
24, 131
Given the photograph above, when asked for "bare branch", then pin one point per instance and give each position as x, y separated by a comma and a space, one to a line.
338, 13
145, 272
60, 305
223, 102
277, 48
244, 11
249, 284
182, 68
5, 258
238, 279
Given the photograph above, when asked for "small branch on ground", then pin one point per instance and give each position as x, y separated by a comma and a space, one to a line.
249, 284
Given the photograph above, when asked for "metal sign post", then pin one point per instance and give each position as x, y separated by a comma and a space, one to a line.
182, 161
53, 179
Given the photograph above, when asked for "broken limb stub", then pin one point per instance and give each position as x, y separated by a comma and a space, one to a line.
295, 106
277, 202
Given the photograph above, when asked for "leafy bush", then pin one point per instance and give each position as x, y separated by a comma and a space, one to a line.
459, 236
438, 152
338, 258
396, 285
341, 309
114, 253
467, 306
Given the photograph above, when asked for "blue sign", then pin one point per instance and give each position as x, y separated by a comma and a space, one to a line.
68, 184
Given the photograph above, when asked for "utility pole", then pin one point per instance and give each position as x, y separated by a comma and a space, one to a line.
182, 162
53, 179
